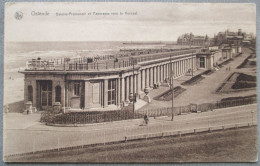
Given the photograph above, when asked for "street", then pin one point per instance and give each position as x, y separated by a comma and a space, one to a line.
38, 137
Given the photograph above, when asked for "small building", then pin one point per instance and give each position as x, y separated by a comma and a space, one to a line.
227, 53
205, 60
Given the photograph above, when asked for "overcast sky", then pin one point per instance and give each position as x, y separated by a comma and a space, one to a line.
153, 22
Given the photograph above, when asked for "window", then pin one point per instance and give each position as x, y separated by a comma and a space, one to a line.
57, 94
111, 91
202, 62
76, 88
30, 93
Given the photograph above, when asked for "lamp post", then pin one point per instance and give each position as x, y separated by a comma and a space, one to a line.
171, 85
192, 64
132, 96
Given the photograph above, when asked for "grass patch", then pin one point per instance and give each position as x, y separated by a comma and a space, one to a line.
224, 63
244, 81
238, 98
208, 72
167, 96
193, 80
247, 63
223, 146
237, 81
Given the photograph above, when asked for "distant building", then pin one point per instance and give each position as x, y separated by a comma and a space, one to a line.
190, 39
229, 37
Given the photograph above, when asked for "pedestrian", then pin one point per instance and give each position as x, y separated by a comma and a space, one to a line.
146, 119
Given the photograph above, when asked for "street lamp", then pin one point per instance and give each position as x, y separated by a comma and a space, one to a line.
171, 85
132, 96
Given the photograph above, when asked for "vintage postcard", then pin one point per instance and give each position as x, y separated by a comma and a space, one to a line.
123, 82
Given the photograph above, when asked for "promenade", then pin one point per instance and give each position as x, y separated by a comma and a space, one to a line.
205, 90
35, 136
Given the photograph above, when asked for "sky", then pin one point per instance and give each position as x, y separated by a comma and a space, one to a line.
150, 21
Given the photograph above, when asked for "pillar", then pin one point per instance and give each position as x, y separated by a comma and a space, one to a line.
34, 86
105, 93
118, 89
127, 89
146, 78
130, 84
63, 93
143, 79
176, 63
174, 69
151, 77
182, 67
122, 89
166, 70
138, 80
154, 75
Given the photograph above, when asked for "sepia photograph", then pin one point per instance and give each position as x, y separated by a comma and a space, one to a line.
130, 82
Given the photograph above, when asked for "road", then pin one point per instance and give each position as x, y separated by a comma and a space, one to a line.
38, 137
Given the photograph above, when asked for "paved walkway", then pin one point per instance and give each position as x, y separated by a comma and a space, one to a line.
37, 136
203, 91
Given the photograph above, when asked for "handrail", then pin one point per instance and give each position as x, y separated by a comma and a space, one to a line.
93, 63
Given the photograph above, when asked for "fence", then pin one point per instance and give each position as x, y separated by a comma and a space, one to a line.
88, 117
167, 111
100, 63
108, 116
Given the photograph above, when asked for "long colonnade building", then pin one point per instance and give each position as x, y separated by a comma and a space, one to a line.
85, 83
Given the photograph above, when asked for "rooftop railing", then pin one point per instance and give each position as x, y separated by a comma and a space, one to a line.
102, 62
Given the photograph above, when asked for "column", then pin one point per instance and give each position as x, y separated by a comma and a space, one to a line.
146, 78
130, 84
188, 63
166, 70
154, 75
182, 67
157, 74
67, 93
122, 89
170, 70
138, 83
135, 83
173, 69
161, 73
127, 89
151, 77
33, 83
118, 89
165, 77
194, 63
105, 93
143, 79
178, 68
